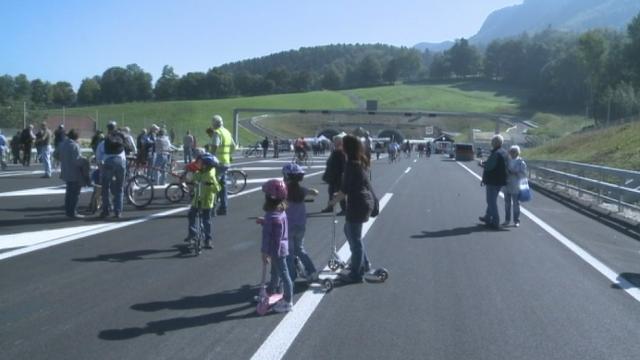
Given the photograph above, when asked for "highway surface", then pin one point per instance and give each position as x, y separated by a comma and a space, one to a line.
562, 286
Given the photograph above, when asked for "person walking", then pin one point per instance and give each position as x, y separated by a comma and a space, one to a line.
276, 148
222, 146
15, 148
188, 146
70, 173
58, 137
494, 177
43, 144
163, 148
333, 173
361, 204
265, 146
112, 162
26, 139
516, 171
3, 150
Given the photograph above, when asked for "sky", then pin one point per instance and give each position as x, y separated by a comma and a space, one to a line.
68, 40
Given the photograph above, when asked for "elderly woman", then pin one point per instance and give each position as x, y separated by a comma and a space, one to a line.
516, 171
494, 177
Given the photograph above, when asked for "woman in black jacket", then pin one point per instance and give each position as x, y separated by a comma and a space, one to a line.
333, 173
361, 201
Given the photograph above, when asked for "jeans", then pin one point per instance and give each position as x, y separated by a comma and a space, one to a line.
205, 218
112, 179
71, 197
222, 195
187, 154
3, 164
160, 165
45, 158
359, 258
492, 215
280, 274
296, 248
508, 200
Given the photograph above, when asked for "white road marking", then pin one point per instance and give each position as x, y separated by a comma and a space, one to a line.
415, 160
20, 173
277, 344
265, 168
49, 190
613, 276
408, 169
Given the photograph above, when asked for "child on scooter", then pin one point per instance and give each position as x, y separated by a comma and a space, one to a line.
275, 243
297, 220
206, 186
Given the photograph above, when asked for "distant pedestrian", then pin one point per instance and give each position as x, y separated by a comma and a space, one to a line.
163, 148
58, 137
130, 148
27, 137
97, 138
333, 173
222, 146
112, 161
43, 144
276, 148
516, 171
494, 177
70, 173
15, 148
188, 146
265, 146
4, 149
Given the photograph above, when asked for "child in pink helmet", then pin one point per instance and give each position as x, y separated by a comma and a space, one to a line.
275, 242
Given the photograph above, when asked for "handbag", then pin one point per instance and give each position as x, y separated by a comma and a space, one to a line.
524, 193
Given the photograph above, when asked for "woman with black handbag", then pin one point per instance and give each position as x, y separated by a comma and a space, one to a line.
361, 204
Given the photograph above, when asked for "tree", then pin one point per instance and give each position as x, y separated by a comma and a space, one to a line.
492, 65
167, 85
89, 92
138, 84
301, 81
591, 50
281, 78
440, 67
6, 89
369, 71
464, 58
62, 94
193, 85
219, 83
632, 50
114, 85
22, 87
391, 72
331, 79
40, 92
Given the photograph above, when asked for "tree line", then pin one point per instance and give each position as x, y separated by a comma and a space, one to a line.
596, 71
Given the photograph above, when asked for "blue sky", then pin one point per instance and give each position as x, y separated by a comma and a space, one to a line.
73, 39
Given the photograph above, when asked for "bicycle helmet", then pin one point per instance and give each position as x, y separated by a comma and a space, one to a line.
293, 171
210, 160
275, 189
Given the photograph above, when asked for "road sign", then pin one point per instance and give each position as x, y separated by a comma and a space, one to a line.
428, 130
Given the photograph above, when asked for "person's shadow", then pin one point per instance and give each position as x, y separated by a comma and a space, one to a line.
627, 281
178, 251
453, 232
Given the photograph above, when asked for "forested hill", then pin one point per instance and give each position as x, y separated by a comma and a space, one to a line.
534, 16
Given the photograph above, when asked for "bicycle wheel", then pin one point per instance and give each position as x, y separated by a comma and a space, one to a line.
236, 181
139, 191
174, 193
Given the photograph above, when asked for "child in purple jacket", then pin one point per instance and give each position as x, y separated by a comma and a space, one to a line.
275, 242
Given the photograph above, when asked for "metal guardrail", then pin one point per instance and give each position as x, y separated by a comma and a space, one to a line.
604, 184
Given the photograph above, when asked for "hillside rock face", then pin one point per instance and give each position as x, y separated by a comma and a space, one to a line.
568, 15
533, 16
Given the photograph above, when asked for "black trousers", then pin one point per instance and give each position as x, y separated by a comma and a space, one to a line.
334, 188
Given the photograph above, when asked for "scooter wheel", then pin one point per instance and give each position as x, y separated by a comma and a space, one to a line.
382, 274
333, 265
327, 285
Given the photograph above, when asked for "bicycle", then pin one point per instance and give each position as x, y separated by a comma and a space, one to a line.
253, 151
195, 244
139, 187
236, 181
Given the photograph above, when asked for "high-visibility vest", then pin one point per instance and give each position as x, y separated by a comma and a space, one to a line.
223, 153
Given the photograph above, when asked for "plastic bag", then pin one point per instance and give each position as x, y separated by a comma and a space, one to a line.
524, 193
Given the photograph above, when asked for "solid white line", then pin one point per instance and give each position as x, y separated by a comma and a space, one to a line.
408, 169
264, 168
603, 269
48, 190
290, 326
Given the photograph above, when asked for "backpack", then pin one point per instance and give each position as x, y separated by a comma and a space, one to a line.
114, 143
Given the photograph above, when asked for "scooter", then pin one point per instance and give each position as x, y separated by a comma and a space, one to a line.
336, 276
266, 301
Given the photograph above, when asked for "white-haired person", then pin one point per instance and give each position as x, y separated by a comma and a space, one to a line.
516, 171
222, 146
494, 177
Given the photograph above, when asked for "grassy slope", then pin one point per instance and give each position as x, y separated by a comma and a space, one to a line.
617, 146
196, 115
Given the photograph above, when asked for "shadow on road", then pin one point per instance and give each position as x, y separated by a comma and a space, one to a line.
178, 251
240, 300
631, 278
454, 232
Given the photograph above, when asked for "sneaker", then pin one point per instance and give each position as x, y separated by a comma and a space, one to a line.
207, 245
483, 219
282, 306
117, 215
517, 224
326, 210
188, 239
506, 223
221, 212
103, 215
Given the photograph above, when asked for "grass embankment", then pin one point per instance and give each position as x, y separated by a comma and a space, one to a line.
616, 146
196, 115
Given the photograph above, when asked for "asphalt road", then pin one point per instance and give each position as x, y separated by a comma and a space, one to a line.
123, 290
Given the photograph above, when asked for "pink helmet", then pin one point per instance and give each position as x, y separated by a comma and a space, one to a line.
276, 189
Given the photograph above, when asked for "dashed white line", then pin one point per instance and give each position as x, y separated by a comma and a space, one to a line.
613, 276
408, 169
288, 329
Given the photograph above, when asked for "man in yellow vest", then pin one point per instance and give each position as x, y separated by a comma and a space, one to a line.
222, 146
